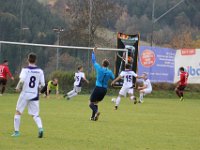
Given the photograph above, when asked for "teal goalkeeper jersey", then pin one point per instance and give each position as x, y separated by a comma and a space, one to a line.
103, 75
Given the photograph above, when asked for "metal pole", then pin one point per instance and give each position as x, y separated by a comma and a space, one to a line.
126, 56
0, 53
20, 36
57, 51
90, 32
90, 20
152, 27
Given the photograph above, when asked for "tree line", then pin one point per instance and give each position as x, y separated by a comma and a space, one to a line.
33, 21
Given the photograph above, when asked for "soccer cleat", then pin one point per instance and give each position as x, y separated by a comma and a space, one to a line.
141, 102
181, 99
15, 134
92, 119
40, 133
64, 95
96, 117
116, 107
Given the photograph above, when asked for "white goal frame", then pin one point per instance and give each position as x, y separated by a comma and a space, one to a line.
61, 46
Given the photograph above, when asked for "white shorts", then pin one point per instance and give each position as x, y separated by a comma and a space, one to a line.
23, 101
147, 91
77, 89
125, 90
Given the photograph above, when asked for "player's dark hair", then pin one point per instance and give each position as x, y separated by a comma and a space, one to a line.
127, 66
105, 63
32, 57
5, 61
79, 67
181, 69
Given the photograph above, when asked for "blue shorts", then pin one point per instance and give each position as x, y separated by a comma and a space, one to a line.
98, 94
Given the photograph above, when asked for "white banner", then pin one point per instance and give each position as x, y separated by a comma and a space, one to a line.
190, 60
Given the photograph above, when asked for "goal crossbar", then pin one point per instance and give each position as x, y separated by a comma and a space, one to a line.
61, 46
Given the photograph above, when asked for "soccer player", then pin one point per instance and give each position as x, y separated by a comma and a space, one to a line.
4, 71
31, 78
79, 78
103, 75
146, 88
127, 87
51, 85
182, 83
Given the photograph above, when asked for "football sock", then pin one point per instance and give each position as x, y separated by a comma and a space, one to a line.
71, 92
178, 93
3, 90
141, 96
38, 121
17, 122
72, 95
132, 97
181, 94
94, 109
118, 101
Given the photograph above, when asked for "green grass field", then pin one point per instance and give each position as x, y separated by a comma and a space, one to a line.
157, 124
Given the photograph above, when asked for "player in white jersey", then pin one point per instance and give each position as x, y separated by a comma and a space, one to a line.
146, 88
31, 78
127, 85
79, 78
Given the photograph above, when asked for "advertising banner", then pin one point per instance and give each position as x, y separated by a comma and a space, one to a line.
157, 62
190, 60
129, 42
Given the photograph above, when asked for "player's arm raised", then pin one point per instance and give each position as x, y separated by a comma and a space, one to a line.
96, 65
93, 55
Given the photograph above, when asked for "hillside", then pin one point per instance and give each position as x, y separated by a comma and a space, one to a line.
34, 21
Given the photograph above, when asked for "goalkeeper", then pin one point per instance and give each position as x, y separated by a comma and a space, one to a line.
51, 85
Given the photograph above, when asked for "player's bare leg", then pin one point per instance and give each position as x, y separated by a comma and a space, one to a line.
141, 96
3, 89
181, 95
177, 92
71, 94
117, 102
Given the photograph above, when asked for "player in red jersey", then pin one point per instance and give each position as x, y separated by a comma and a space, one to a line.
4, 71
182, 83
